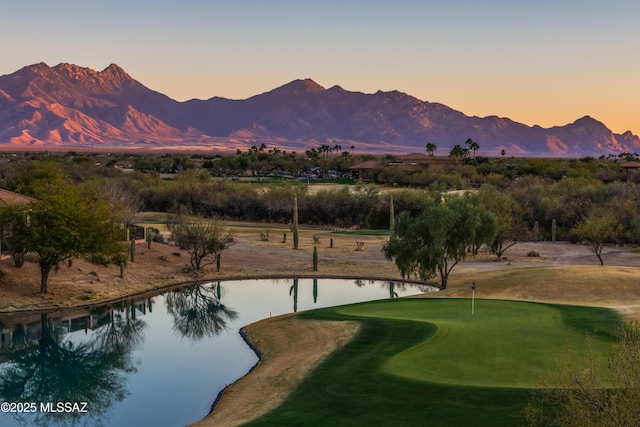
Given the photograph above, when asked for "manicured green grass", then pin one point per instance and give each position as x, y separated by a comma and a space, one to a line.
153, 218
430, 362
342, 181
500, 345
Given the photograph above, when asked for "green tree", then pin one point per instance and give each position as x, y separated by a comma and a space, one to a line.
437, 239
598, 228
65, 222
204, 239
15, 224
431, 148
511, 226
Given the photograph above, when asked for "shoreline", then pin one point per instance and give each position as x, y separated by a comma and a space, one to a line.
170, 287
163, 267
278, 371
159, 269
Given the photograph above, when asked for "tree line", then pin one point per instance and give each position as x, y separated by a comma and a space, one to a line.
586, 200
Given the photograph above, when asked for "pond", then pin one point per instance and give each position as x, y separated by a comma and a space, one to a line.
158, 360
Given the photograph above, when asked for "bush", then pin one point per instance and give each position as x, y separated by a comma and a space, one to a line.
98, 259
533, 254
18, 258
120, 259
155, 235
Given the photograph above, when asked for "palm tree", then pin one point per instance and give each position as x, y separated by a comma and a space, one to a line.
431, 148
473, 145
457, 152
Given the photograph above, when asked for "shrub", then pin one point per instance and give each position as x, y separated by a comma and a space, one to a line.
18, 259
98, 259
533, 254
156, 235
120, 259
264, 234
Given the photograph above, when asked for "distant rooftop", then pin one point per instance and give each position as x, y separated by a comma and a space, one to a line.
7, 197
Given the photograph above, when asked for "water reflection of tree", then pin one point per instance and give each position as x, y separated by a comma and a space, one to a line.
19, 336
361, 283
198, 311
123, 328
58, 370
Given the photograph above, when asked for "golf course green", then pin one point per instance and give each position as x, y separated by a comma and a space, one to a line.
432, 362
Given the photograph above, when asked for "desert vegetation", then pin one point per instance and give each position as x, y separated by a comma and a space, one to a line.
250, 186
499, 203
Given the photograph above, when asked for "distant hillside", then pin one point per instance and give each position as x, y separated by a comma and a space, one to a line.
71, 107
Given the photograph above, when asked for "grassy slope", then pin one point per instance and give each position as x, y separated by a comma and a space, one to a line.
383, 377
602, 286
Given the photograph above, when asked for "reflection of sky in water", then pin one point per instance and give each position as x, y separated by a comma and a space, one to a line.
177, 378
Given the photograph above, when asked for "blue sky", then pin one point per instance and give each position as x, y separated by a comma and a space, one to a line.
537, 62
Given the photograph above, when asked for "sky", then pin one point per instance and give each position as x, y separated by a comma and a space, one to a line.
544, 62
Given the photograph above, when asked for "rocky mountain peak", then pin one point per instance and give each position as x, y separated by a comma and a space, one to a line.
299, 86
115, 71
110, 107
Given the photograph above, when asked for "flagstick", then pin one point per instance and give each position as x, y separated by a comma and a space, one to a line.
473, 296
473, 300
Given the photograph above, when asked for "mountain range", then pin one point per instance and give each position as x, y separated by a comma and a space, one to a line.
68, 107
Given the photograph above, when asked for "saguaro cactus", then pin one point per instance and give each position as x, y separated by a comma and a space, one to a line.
132, 250
392, 217
553, 230
294, 226
149, 237
315, 258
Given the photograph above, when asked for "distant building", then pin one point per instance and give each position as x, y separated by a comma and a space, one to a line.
413, 161
9, 197
365, 170
630, 167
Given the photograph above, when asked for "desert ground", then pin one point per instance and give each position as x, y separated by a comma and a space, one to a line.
562, 273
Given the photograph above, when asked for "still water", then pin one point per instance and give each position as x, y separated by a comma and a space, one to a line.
157, 361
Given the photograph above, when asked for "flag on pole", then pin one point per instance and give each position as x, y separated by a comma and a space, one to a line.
473, 296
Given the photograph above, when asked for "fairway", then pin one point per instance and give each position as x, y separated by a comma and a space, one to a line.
430, 362
504, 344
